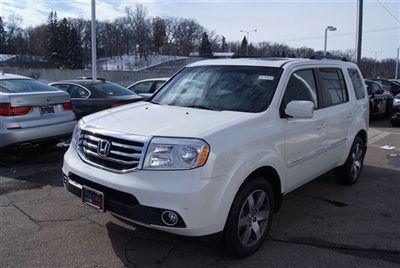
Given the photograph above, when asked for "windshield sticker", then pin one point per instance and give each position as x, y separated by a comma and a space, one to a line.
266, 77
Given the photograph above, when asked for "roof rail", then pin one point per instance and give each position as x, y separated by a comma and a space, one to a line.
327, 57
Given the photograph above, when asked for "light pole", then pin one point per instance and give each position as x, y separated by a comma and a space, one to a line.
94, 56
247, 38
397, 63
375, 54
328, 28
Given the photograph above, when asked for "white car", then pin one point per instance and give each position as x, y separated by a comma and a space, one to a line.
146, 88
220, 144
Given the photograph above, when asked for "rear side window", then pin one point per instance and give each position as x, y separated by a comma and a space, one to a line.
24, 86
143, 87
301, 86
77, 92
357, 83
333, 88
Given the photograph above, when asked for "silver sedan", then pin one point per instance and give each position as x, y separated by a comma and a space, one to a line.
33, 112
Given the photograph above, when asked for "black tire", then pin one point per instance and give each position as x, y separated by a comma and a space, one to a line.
388, 111
231, 235
350, 172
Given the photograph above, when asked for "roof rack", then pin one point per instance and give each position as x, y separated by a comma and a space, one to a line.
327, 57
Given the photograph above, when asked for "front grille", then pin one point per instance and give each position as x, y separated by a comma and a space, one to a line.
123, 154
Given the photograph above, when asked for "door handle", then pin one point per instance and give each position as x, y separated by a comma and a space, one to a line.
322, 125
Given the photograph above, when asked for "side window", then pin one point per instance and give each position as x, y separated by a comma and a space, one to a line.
77, 92
369, 87
158, 85
333, 88
143, 87
63, 87
357, 83
301, 86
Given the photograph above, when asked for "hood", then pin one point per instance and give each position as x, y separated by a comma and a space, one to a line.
149, 119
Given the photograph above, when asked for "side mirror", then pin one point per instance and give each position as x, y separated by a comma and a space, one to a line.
300, 109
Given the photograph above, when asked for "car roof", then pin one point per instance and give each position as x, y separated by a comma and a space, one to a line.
4, 76
269, 62
83, 82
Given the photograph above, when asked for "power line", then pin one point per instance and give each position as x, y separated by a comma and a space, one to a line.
342, 34
388, 11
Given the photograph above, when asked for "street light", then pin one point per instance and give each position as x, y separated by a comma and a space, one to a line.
376, 54
397, 63
247, 38
329, 28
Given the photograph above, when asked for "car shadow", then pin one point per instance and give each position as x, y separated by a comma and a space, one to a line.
31, 167
319, 200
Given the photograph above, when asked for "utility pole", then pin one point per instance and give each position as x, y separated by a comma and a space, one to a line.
247, 37
376, 54
397, 64
94, 56
359, 30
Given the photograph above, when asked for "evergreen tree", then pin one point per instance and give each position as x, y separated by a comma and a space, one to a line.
224, 45
243, 46
3, 35
74, 50
205, 46
52, 45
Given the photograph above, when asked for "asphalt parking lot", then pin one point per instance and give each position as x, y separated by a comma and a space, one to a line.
320, 224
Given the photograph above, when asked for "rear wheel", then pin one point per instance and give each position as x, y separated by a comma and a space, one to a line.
250, 218
351, 170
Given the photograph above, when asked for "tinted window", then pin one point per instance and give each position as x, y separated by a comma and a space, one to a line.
158, 85
357, 83
301, 86
77, 92
333, 89
143, 87
24, 85
63, 87
111, 89
235, 88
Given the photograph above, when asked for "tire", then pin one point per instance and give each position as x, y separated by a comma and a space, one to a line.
388, 109
242, 241
350, 172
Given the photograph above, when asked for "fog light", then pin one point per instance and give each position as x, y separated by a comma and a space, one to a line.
169, 218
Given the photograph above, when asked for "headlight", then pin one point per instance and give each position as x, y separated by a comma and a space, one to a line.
76, 135
396, 101
176, 153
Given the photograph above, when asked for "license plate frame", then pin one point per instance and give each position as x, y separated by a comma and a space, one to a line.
93, 198
47, 110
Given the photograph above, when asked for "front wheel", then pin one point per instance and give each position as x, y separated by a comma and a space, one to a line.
351, 170
250, 218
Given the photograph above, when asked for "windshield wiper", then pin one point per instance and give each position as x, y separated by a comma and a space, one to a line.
198, 106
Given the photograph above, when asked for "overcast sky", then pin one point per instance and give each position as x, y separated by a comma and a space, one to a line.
296, 23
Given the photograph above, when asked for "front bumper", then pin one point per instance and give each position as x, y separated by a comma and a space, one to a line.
33, 134
201, 204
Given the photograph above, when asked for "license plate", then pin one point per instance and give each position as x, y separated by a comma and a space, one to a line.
93, 198
47, 110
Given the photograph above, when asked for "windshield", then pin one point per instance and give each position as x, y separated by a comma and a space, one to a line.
234, 88
24, 86
111, 89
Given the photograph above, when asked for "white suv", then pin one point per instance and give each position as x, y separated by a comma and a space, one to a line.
220, 144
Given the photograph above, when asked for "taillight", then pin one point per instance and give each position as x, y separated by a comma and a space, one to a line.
116, 105
7, 110
67, 105
389, 89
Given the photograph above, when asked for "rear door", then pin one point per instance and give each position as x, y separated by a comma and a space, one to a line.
339, 113
80, 97
43, 105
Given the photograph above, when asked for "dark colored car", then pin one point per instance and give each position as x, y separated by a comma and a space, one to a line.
392, 87
395, 116
380, 101
90, 96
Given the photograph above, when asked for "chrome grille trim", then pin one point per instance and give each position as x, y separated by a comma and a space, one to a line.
126, 152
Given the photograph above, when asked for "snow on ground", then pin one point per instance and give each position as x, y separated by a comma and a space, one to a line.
4, 57
134, 62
